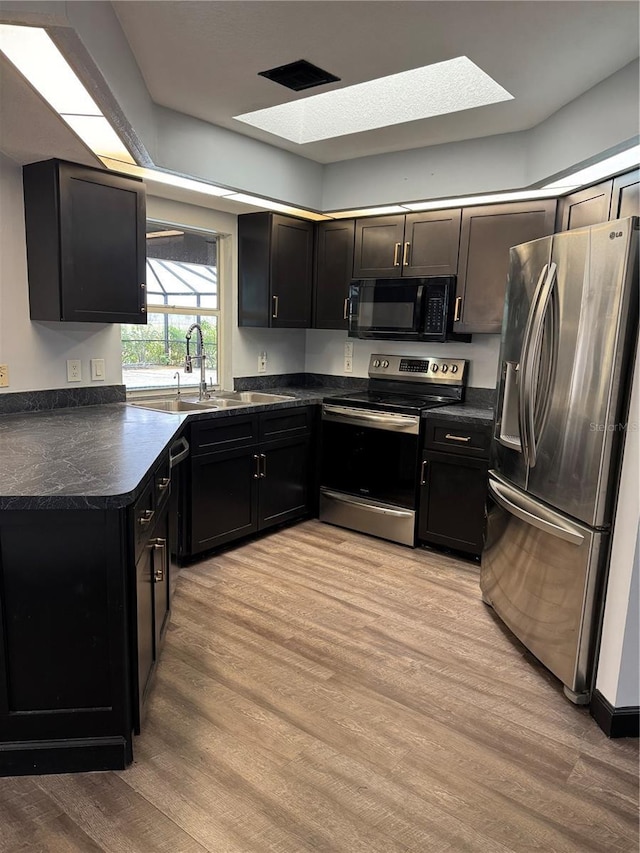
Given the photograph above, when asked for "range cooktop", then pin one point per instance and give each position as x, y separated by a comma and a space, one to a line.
409, 385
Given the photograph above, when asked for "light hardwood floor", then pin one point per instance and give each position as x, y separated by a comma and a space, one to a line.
325, 691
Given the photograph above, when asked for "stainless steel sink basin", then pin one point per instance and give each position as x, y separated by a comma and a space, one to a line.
221, 400
255, 397
178, 406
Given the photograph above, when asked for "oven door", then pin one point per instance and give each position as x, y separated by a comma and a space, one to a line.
369, 471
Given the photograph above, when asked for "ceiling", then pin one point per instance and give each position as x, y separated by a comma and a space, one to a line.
203, 59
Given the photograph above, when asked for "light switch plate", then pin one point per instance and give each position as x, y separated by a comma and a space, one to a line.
4, 375
97, 369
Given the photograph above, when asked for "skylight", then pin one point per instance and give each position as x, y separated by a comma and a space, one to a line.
445, 87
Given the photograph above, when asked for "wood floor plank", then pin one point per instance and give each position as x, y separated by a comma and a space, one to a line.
321, 690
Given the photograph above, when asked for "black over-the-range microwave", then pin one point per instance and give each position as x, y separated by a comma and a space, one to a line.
408, 309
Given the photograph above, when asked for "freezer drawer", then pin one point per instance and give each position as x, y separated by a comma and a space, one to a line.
541, 572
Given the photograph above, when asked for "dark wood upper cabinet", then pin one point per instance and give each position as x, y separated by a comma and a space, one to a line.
275, 265
419, 244
487, 234
625, 196
86, 253
334, 269
585, 207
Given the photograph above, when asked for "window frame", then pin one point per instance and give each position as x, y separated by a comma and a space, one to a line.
155, 308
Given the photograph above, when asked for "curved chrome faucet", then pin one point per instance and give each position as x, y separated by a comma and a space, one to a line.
189, 359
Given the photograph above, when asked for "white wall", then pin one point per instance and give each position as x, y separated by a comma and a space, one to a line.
325, 354
36, 353
618, 676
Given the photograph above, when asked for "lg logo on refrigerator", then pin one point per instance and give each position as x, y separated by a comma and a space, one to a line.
614, 234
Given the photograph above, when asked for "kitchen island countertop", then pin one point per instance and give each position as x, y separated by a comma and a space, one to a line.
98, 457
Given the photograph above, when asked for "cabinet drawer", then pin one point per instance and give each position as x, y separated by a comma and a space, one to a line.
457, 437
143, 519
162, 483
285, 423
224, 434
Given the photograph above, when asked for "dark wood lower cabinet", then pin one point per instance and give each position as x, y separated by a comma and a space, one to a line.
284, 482
453, 485
84, 603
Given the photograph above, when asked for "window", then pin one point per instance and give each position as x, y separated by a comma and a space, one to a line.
182, 288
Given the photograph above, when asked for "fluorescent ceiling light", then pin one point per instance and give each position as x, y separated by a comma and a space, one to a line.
166, 178
277, 206
444, 87
369, 211
38, 59
151, 235
520, 195
604, 169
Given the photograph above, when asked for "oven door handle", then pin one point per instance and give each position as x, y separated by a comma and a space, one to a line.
370, 507
376, 420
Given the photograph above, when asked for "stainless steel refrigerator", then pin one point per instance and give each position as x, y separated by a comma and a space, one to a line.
568, 339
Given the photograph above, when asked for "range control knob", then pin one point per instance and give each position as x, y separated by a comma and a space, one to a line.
454, 368
445, 367
385, 363
376, 363
434, 367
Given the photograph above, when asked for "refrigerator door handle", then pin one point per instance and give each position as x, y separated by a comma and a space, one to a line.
532, 513
525, 439
532, 365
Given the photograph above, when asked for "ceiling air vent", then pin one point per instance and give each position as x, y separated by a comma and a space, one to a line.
299, 75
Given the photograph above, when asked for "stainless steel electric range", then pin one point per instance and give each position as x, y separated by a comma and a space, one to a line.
371, 443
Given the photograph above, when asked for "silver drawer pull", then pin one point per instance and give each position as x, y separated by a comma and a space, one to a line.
163, 483
146, 517
458, 437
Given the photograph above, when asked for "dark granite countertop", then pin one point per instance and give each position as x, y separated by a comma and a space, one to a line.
464, 412
98, 457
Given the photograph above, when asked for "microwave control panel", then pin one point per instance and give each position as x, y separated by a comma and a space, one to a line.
434, 314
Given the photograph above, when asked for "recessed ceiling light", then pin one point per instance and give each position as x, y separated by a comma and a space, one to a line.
444, 87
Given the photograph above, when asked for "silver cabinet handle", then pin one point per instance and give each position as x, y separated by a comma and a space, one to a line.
158, 571
458, 437
345, 315
146, 517
423, 472
256, 473
457, 309
396, 254
405, 255
275, 307
263, 473
163, 484
178, 452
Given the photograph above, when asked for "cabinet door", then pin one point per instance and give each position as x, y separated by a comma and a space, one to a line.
224, 498
334, 268
144, 629
625, 198
378, 247
284, 481
487, 235
85, 244
161, 581
452, 502
291, 272
586, 207
431, 242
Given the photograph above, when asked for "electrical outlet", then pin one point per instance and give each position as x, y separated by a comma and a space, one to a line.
262, 362
348, 365
4, 375
74, 370
97, 369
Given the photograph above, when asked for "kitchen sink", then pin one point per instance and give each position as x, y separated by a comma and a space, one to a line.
254, 397
178, 406
221, 400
